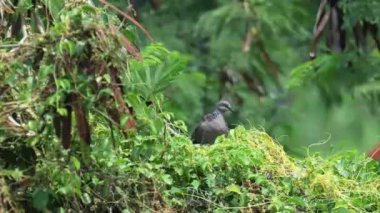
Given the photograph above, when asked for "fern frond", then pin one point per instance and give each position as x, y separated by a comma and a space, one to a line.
157, 71
370, 88
304, 72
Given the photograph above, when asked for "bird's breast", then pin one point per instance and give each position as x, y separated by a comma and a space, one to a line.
219, 125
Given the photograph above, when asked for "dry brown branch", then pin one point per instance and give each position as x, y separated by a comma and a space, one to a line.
131, 19
132, 50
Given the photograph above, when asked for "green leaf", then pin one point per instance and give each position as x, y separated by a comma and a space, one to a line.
210, 180
233, 188
67, 46
341, 210
195, 184
105, 91
79, 46
33, 125
55, 6
40, 199
167, 179
15, 174
64, 84
63, 190
76, 162
30, 82
24, 5
45, 70
88, 9
299, 201
62, 111
107, 77
124, 120
86, 198
341, 207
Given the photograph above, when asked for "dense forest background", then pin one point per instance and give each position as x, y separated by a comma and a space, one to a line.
256, 54
98, 99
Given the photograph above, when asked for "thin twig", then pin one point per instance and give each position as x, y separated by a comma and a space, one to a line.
24, 34
320, 23
38, 22
131, 19
6, 46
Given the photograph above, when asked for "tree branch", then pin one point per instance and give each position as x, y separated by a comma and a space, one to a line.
131, 19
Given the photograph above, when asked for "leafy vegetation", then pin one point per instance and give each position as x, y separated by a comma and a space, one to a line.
238, 45
246, 171
91, 118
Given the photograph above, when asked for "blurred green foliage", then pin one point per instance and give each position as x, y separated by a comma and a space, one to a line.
214, 33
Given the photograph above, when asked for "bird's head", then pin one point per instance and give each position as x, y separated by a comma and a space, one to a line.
223, 106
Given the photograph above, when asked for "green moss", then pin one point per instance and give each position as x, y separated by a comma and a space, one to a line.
250, 170
246, 171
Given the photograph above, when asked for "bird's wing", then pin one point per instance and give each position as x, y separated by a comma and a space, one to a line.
207, 117
195, 135
199, 132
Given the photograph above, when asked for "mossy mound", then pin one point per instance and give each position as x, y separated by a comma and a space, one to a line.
250, 171
247, 171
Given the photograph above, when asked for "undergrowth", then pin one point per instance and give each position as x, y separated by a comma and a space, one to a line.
247, 171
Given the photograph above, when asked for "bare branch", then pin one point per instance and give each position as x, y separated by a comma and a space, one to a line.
39, 23
318, 29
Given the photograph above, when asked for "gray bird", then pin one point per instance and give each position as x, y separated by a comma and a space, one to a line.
212, 125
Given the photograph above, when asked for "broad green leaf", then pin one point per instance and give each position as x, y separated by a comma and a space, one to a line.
75, 162
167, 179
33, 125
62, 111
233, 188
195, 184
55, 6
